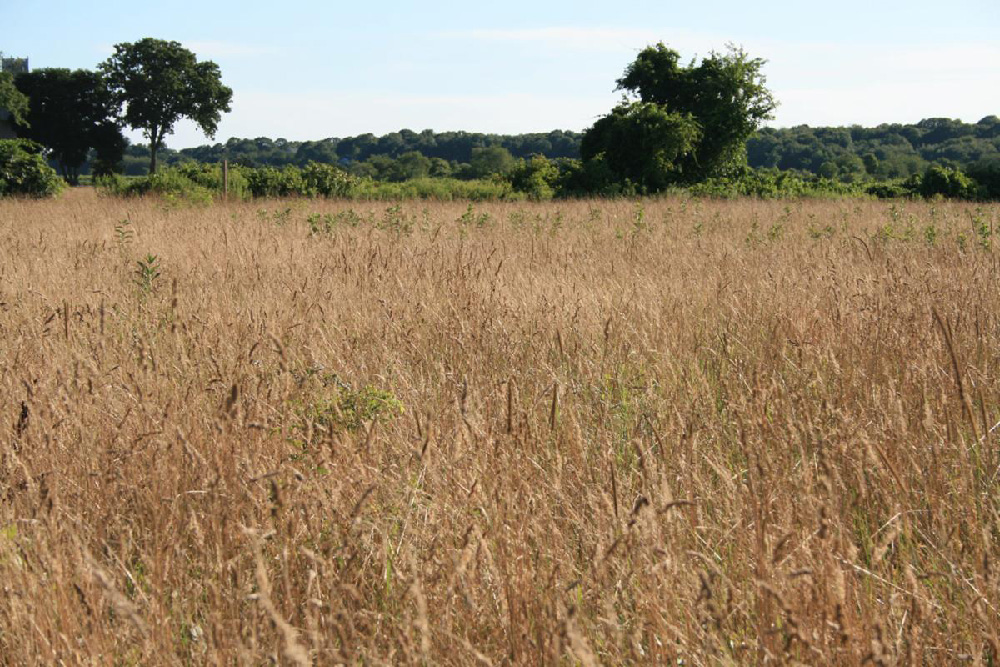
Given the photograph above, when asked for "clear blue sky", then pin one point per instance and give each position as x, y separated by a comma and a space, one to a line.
305, 69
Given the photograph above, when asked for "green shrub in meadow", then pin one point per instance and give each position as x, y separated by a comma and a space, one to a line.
24, 172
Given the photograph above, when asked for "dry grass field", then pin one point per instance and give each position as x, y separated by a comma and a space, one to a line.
674, 432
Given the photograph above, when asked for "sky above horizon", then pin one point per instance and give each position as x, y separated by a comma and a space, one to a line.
311, 69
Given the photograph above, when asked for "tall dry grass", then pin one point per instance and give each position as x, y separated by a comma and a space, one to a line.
719, 433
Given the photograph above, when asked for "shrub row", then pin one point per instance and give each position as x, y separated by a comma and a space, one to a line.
24, 172
199, 183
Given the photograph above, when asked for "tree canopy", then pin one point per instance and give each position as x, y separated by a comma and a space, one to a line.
70, 114
690, 122
13, 100
158, 83
891, 150
643, 143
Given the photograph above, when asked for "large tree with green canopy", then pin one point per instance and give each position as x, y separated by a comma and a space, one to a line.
158, 83
70, 113
681, 123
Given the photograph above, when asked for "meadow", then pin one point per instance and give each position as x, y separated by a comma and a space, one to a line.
667, 431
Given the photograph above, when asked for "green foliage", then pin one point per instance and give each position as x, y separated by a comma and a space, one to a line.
537, 177
13, 100
191, 183
945, 182
209, 177
593, 177
108, 144
772, 184
71, 112
174, 185
643, 143
393, 157
274, 182
147, 272
194, 183
160, 82
491, 160
325, 223
881, 158
395, 220
279, 217
889, 190
713, 107
8, 532
438, 189
347, 409
470, 218
325, 180
124, 233
112, 185
889, 151
24, 172
987, 174
413, 164
983, 228
315, 180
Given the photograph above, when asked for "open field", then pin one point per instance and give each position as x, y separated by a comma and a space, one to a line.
563, 433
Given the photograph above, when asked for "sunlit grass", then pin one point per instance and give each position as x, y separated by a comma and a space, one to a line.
578, 432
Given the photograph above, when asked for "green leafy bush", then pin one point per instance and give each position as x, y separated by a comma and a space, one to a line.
987, 174
199, 183
326, 180
440, 189
209, 176
172, 183
593, 178
773, 184
191, 183
537, 177
950, 183
23, 171
889, 190
274, 181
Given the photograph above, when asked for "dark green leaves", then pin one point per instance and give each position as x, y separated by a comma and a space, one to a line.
71, 112
159, 82
12, 100
643, 143
690, 122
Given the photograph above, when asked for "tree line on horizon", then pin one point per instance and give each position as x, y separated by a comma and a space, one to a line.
678, 125
885, 151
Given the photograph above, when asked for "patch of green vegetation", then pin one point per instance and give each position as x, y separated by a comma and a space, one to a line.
347, 409
24, 172
147, 271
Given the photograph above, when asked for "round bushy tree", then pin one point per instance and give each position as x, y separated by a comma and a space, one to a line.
951, 183
681, 123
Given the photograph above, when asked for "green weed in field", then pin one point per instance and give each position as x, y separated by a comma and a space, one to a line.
147, 272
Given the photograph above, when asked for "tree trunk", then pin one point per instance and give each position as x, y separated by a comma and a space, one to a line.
154, 143
69, 173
